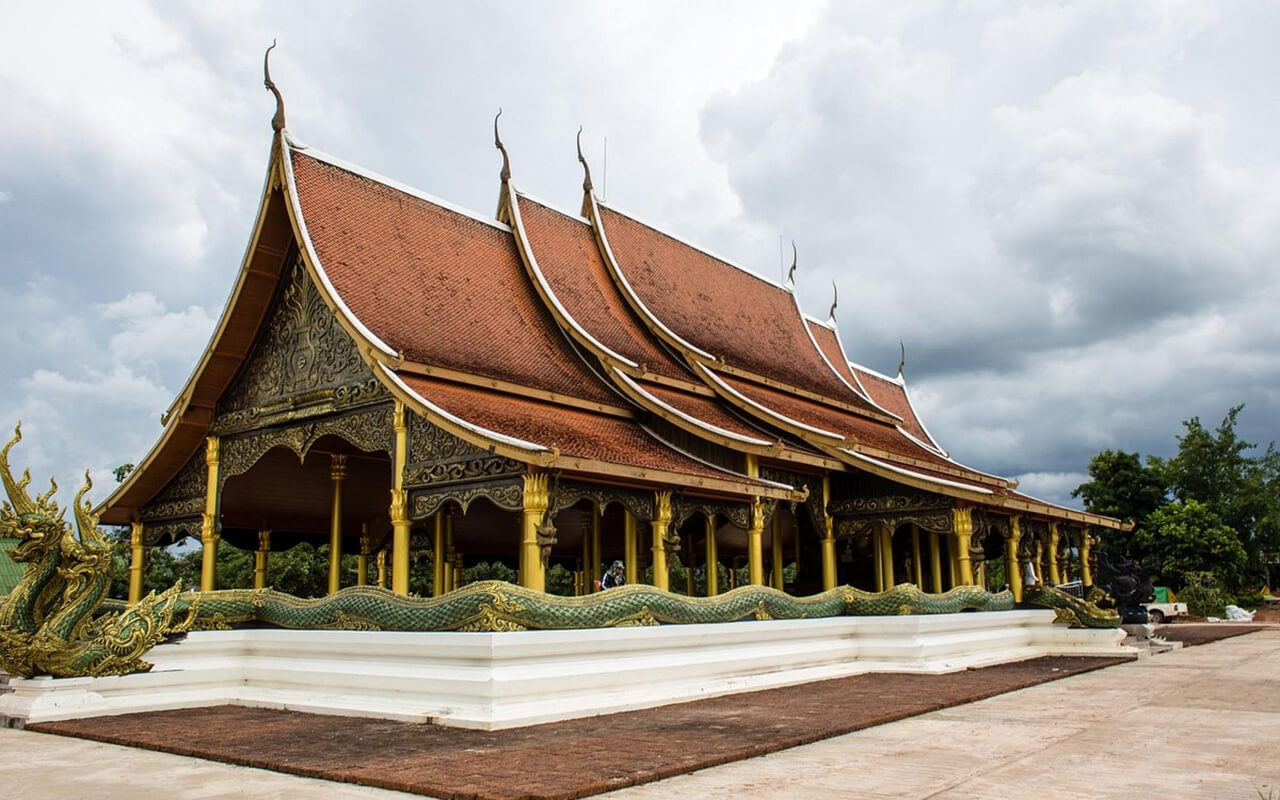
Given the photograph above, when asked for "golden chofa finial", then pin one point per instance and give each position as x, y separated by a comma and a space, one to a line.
586, 170
277, 122
835, 301
791, 273
505, 175
902, 359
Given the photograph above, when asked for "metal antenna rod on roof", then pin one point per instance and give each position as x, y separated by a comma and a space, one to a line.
277, 122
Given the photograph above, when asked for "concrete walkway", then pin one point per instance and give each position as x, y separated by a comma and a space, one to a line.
1199, 722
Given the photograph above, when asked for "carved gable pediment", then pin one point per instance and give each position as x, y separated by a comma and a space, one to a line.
302, 364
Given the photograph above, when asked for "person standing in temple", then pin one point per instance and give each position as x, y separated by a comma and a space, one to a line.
615, 576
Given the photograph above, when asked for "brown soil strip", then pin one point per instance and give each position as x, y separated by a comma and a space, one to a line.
1192, 634
568, 759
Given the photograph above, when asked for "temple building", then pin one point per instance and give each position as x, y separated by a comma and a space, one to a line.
393, 374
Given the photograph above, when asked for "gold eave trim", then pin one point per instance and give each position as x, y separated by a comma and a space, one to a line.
908, 461
507, 387
368, 347
664, 477
176, 415
737, 372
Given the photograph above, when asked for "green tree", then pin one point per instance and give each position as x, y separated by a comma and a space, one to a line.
1189, 537
1122, 485
1215, 468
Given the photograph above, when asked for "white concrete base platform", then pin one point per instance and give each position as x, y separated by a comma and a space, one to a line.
505, 680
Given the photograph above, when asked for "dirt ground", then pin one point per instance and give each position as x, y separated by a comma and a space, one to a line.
568, 759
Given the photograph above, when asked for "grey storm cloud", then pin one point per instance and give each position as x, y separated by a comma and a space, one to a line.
1066, 211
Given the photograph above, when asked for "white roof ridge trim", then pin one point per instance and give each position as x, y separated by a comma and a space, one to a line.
693, 420
558, 209
326, 285
856, 367
705, 463
765, 410
861, 391
927, 446
391, 183
699, 248
459, 421
546, 285
611, 264
917, 475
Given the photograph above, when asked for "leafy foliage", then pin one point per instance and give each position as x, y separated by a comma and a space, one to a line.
1203, 594
1213, 507
1181, 538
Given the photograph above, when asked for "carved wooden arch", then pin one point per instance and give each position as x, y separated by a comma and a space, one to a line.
369, 429
802, 480
566, 493
738, 514
506, 494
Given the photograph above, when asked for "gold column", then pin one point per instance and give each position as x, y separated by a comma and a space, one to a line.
209, 520
755, 544
399, 505
713, 558
597, 519
337, 474
382, 568
1040, 570
886, 557
661, 519
1086, 573
915, 557
963, 522
953, 561
688, 574
260, 559
1054, 577
1011, 558
828, 538
878, 551
451, 557
775, 547
457, 572
532, 575
437, 555
137, 562
585, 576
935, 562
362, 560
630, 548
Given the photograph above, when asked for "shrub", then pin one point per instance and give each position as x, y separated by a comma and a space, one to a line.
1203, 595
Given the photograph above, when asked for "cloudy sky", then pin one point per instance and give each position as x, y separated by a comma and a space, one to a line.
1067, 211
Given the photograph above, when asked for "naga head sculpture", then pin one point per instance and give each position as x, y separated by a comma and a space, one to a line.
38, 524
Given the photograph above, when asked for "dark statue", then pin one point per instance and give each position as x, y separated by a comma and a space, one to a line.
1128, 583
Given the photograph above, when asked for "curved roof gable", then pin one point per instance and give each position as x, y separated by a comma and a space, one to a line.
440, 287
722, 310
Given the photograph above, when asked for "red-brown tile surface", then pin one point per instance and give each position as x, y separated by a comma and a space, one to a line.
566, 251
858, 429
569, 759
892, 397
576, 432
729, 313
445, 289
707, 409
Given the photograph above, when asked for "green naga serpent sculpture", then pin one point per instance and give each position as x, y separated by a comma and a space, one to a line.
53, 621
48, 623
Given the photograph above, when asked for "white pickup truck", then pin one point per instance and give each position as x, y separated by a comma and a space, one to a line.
1164, 607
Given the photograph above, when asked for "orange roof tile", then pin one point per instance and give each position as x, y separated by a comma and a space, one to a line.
892, 396
439, 286
569, 258
865, 432
720, 309
576, 433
